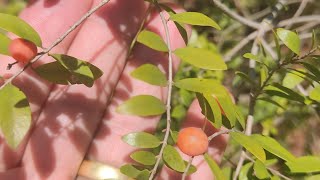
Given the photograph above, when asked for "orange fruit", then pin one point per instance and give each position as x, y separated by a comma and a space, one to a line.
22, 50
192, 141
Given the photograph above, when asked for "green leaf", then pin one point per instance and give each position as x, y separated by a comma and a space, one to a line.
142, 105
272, 146
245, 77
217, 172
82, 72
252, 57
144, 157
143, 175
269, 100
260, 170
194, 18
129, 171
314, 177
244, 172
173, 159
292, 79
304, 75
275, 178
4, 44
192, 168
276, 40
215, 108
250, 144
263, 74
141, 140
315, 93
201, 85
152, 40
15, 114
19, 27
174, 135
311, 68
281, 91
201, 58
290, 39
54, 72
151, 74
306, 164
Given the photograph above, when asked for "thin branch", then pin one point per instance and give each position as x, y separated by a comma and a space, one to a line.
301, 19
185, 172
169, 94
219, 133
302, 6
58, 41
236, 16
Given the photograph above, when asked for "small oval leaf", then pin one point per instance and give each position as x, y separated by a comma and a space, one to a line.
217, 172
144, 157
142, 105
19, 27
173, 159
15, 114
141, 140
201, 58
200, 85
290, 39
194, 18
250, 144
129, 170
152, 40
4, 44
151, 74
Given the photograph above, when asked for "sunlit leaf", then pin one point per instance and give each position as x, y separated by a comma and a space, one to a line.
19, 27
252, 57
269, 100
144, 157
201, 58
201, 85
314, 177
250, 144
143, 175
292, 79
290, 39
260, 170
194, 18
4, 44
173, 159
151, 74
244, 172
315, 93
141, 140
217, 172
142, 105
306, 164
263, 75
215, 108
152, 40
15, 114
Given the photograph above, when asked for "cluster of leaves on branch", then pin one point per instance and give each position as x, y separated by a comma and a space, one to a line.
200, 76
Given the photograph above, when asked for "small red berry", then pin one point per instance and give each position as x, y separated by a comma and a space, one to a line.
192, 141
22, 50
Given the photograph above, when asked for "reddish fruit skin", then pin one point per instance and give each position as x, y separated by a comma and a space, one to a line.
192, 141
22, 50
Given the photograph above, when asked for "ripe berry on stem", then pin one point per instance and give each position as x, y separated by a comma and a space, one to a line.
192, 141
22, 50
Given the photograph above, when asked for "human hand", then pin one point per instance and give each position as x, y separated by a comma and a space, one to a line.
73, 123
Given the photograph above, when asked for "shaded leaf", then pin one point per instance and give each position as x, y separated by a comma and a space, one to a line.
306, 164
152, 40
250, 144
192, 168
217, 172
311, 68
141, 140
269, 100
263, 74
143, 175
305, 75
215, 109
290, 39
292, 79
314, 177
252, 57
194, 18
144, 157
260, 170
272, 146
173, 159
244, 172
19, 27
281, 91
174, 135
276, 40
4, 44
54, 72
151, 74
15, 113
129, 170
201, 58
245, 77
142, 105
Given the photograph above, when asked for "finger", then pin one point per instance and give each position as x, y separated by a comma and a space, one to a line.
215, 150
107, 146
49, 21
71, 114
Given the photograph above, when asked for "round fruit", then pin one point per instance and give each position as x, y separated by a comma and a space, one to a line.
192, 141
22, 50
